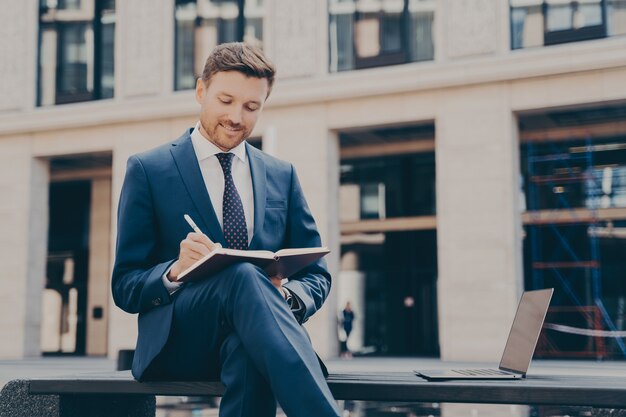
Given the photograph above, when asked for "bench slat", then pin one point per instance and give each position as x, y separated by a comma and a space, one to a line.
539, 390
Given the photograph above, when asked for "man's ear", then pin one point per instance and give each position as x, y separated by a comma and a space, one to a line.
200, 90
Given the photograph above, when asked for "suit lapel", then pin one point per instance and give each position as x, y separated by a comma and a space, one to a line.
259, 184
187, 164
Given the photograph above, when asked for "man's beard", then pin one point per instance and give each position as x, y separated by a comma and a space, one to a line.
226, 142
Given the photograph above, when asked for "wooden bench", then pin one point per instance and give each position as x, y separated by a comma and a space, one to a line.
116, 393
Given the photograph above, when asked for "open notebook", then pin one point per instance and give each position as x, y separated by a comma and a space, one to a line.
283, 263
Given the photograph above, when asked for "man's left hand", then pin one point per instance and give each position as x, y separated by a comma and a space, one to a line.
278, 284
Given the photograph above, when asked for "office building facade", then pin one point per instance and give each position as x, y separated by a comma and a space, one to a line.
453, 153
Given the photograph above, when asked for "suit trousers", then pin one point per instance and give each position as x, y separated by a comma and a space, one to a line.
236, 325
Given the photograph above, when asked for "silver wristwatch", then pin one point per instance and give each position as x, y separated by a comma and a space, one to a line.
288, 297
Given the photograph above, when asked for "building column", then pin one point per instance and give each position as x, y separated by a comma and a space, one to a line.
132, 139
300, 137
479, 221
144, 48
18, 39
293, 38
38, 214
99, 267
24, 238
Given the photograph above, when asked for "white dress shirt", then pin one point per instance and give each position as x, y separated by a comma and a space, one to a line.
213, 176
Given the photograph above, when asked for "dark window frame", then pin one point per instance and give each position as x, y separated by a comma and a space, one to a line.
558, 37
385, 58
239, 30
404, 168
403, 55
62, 97
574, 35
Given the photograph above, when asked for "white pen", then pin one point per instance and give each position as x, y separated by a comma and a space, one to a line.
196, 229
193, 224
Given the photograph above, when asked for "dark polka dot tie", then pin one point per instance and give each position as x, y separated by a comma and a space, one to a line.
235, 229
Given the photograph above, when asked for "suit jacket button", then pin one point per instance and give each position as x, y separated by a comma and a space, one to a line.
156, 302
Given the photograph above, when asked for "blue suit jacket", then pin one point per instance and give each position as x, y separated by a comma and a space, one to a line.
163, 184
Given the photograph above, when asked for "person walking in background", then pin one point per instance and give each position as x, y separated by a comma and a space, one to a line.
346, 321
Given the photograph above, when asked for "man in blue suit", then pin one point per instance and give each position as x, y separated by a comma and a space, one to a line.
238, 324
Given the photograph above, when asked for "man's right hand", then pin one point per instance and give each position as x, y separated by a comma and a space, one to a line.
194, 247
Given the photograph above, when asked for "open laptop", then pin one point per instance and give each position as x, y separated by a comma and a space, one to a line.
520, 346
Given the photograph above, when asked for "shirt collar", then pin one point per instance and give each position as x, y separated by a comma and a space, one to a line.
206, 149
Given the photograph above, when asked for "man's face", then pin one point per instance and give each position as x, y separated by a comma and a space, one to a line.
229, 107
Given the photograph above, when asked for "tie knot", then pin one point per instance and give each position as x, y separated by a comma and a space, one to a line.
226, 160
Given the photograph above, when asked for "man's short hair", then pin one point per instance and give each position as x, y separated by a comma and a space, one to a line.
241, 57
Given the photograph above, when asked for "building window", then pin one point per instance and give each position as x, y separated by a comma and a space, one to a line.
201, 25
377, 167
373, 33
573, 170
76, 51
387, 212
551, 22
380, 185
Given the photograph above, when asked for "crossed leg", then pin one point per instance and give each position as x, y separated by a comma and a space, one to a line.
235, 324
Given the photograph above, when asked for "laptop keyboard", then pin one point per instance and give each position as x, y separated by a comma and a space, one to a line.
480, 372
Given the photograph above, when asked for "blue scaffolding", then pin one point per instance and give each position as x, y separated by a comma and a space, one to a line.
563, 261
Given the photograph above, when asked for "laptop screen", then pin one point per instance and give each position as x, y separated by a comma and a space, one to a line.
525, 331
